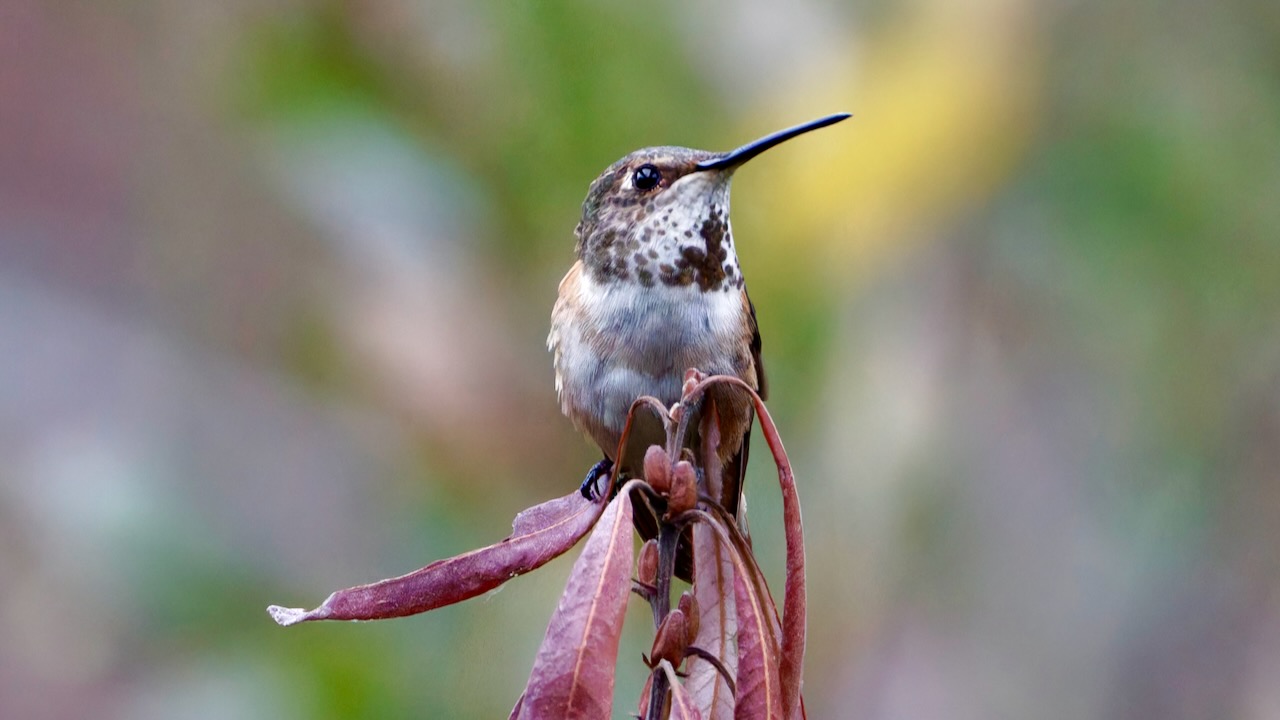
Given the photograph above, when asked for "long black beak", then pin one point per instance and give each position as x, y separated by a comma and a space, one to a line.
746, 152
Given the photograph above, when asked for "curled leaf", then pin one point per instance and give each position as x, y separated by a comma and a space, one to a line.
642, 710
758, 692
759, 685
682, 705
795, 602
539, 534
717, 625
573, 673
745, 566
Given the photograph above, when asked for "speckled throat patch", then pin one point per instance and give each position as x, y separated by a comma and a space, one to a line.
679, 237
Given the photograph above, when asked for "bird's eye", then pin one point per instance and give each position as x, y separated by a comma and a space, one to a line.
646, 177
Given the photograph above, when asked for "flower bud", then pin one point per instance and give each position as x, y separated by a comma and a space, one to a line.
647, 566
692, 616
670, 642
684, 489
657, 469
691, 379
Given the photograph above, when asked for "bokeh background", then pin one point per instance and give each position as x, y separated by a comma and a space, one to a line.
274, 288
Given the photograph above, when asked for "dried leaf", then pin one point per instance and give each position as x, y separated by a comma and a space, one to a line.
540, 534
718, 624
642, 710
682, 705
759, 635
712, 468
573, 673
759, 691
795, 602
746, 568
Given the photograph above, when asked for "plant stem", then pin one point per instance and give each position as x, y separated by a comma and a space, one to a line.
660, 601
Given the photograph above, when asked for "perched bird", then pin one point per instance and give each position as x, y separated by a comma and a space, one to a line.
657, 289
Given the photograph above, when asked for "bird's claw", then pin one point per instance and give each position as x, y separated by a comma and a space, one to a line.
589, 487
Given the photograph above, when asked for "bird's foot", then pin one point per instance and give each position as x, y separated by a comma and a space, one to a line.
589, 487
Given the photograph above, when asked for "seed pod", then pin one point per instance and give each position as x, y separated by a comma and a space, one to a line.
657, 469
647, 566
671, 640
684, 489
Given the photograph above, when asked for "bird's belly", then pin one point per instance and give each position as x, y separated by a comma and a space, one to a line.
607, 383
633, 342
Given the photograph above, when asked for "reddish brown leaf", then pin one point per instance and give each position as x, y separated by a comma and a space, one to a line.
643, 709
718, 624
682, 705
795, 602
745, 566
712, 468
539, 534
573, 673
759, 691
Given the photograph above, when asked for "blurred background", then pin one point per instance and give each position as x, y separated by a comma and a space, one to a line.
275, 280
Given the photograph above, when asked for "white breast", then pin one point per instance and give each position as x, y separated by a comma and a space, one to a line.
620, 340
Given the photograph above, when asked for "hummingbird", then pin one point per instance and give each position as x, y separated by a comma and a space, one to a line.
657, 289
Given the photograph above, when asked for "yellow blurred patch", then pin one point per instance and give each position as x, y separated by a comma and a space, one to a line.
943, 104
